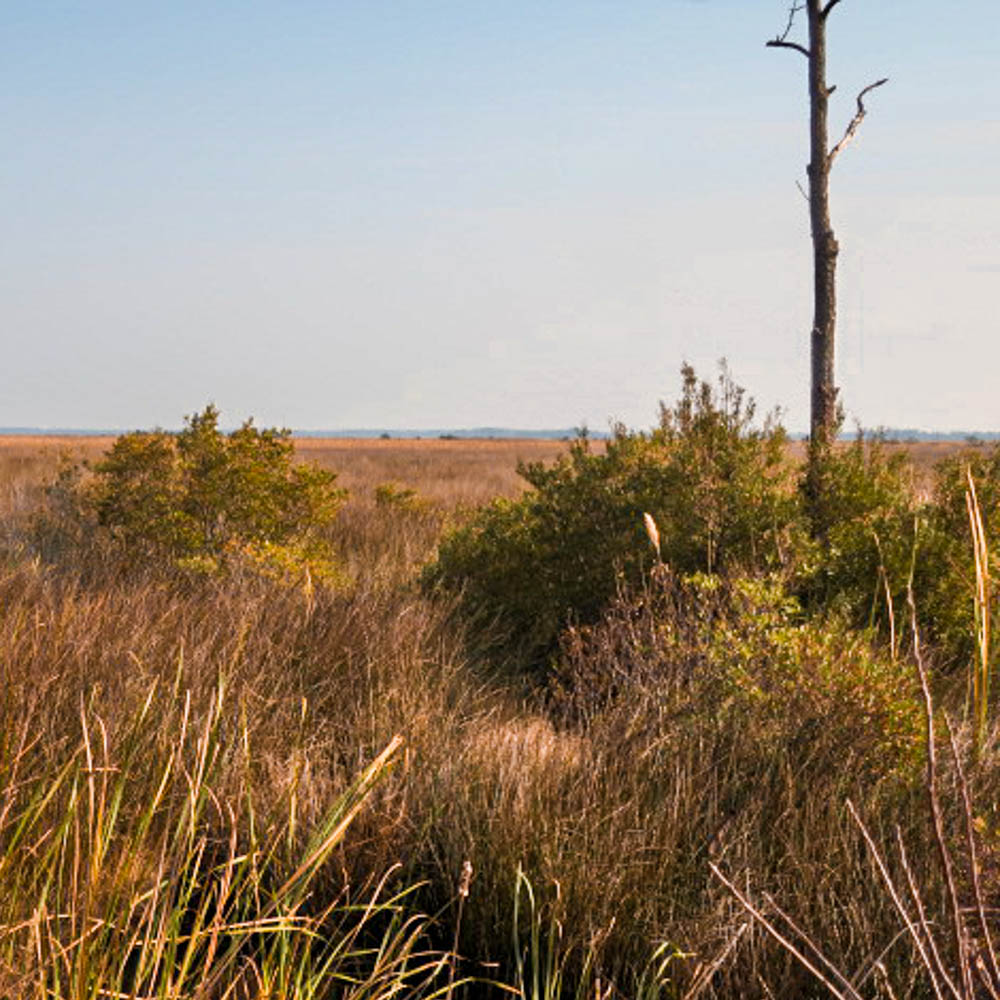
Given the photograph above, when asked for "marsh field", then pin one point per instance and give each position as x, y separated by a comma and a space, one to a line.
249, 783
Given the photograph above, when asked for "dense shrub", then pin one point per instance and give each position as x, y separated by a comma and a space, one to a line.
200, 495
714, 482
851, 543
392, 496
878, 534
761, 722
743, 649
946, 570
863, 527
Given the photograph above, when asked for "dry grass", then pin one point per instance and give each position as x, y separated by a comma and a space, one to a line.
615, 813
448, 472
924, 455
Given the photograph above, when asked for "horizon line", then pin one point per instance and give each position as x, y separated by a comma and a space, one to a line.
555, 434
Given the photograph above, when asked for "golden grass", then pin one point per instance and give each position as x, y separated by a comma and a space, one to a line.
451, 473
615, 819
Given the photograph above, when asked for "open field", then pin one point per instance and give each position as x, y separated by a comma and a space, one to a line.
448, 472
179, 753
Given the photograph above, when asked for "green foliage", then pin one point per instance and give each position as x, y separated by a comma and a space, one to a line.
65, 521
201, 495
743, 651
391, 496
876, 534
849, 542
863, 521
779, 667
716, 485
946, 569
723, 488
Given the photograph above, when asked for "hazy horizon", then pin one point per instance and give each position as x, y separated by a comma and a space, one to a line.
898, 434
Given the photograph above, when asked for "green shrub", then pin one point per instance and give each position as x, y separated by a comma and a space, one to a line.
849, 542
875, 535
864, 528
715, 484
200, 496
743, 651
946, 569
392, 496
63, 524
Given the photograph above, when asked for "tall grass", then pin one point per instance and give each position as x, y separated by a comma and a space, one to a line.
176, 791
982, 668
953, 936
181, 812
178, 892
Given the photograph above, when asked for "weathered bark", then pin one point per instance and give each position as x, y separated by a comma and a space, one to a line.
824, 417
823, 409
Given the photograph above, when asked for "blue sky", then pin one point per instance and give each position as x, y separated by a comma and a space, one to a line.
429, 214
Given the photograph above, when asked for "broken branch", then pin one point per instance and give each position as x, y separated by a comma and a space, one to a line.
856, 121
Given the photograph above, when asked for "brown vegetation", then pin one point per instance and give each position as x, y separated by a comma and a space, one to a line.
666, 746
449, 472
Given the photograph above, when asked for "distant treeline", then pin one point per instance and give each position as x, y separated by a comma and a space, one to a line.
902, 434
366, 432
912, 435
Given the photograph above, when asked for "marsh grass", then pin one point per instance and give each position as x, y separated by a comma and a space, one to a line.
982, 668
951, 933
179, 754
178, 815
178, 893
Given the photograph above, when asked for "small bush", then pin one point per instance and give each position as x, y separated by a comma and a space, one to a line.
716, 485
391, 496
201, 496
63, 523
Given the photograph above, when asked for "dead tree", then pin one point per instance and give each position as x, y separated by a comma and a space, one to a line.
824, 409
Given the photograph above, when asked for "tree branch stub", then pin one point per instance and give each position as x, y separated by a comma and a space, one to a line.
792, 11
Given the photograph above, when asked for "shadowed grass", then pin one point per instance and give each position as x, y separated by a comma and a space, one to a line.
178, 893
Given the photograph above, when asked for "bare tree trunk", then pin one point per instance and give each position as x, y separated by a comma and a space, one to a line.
824, 416
823, 409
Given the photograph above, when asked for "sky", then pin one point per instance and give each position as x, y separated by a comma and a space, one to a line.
460, 213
